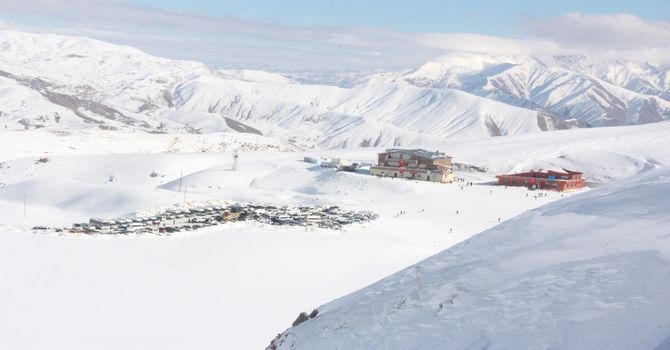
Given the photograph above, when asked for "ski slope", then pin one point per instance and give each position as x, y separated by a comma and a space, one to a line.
238, 285
588, 272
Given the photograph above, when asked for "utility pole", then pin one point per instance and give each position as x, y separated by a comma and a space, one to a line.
184, 204
25, 206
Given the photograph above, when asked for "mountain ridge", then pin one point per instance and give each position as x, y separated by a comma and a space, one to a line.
51, 81
568, 87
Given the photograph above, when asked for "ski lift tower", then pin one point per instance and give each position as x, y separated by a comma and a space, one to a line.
235, 156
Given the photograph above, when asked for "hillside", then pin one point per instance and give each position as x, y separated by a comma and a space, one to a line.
585, 90
237, 285
583, 273
59, 82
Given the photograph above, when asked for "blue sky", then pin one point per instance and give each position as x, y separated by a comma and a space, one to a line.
348, 34
500, 18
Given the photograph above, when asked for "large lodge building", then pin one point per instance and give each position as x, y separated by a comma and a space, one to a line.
416, 164
550, 180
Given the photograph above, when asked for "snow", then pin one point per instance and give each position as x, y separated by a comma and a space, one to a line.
596, 91
237, 285
255, 75
604, 154
59, 82
588, 272
76, 142
601, 266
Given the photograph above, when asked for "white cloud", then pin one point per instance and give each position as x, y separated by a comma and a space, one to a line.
485, 43
611, 36
231, 41
5, 25
222, 41
601, 31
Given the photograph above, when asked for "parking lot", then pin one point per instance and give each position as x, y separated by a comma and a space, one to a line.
180, 220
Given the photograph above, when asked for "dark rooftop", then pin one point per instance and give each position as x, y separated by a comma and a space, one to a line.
419, 152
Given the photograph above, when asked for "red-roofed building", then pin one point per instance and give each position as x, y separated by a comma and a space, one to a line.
550, 180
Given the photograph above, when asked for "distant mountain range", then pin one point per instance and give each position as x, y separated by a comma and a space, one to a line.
51, 81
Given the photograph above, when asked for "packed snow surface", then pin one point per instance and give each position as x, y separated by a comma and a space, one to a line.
588, 272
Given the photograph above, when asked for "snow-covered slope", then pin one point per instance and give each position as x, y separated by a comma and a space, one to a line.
604, 154
65, 82
592, 92
377, 113
235, 286
61, 82
228, 287
642, 77
589, 272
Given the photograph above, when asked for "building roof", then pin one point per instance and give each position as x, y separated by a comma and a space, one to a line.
419, 152
570, 172
540, 173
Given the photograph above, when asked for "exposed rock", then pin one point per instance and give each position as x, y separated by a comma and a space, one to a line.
314, 313
301, 318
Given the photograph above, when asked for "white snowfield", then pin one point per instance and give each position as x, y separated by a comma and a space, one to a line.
236, 286
588, 272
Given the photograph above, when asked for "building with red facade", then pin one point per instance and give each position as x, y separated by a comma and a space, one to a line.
550, 180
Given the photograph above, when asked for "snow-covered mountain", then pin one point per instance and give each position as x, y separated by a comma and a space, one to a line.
64, 82
51, 81
592, 92
588, 272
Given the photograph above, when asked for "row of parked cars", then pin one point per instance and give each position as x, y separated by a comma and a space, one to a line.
178, 220
331, 217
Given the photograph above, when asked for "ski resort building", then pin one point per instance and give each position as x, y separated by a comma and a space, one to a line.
550, 180
416, 164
